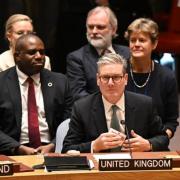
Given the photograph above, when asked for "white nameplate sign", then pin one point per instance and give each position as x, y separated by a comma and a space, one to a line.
134, 164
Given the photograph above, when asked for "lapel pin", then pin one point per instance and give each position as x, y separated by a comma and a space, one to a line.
50, 84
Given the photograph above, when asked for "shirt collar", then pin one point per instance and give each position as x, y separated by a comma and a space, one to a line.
120, 104
109, 48
23, 77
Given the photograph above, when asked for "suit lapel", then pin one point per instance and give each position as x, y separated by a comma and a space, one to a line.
47, 86
92, 55
98, 114
129, 112
14, 90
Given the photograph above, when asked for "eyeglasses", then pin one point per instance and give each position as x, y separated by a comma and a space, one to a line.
115, 78
34, 51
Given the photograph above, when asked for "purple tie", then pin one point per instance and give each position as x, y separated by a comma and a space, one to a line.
33, 124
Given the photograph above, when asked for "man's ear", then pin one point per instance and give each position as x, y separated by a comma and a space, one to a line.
114, 31
16, 56
126, 78
97, 79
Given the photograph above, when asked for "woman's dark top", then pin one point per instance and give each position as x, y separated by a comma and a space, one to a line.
162, 87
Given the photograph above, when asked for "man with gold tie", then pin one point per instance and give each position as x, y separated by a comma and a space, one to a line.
99, 120
33, 101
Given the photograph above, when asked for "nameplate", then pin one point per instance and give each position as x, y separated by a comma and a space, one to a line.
6, 168
134, 164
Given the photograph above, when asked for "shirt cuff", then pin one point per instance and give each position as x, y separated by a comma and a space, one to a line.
92, 144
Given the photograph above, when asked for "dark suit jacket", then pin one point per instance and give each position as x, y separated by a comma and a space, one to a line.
57, 104
88, 122
82, 69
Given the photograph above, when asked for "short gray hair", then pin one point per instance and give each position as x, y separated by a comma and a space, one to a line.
112, 58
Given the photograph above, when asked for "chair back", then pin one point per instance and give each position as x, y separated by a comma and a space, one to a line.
60, 135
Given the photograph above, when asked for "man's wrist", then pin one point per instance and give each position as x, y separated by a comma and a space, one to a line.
93, 148
169, 133
150, 146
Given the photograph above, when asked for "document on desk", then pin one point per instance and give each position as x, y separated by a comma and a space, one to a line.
112, 156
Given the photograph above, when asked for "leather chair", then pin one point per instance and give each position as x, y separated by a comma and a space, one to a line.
60, 135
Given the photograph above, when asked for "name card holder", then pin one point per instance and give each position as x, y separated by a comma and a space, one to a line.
6, 168
134, 164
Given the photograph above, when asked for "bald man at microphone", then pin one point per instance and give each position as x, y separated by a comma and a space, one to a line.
112, 118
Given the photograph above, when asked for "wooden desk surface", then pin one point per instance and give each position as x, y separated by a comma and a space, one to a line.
94, 174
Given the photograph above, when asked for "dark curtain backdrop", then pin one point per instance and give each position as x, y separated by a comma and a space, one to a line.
61, 23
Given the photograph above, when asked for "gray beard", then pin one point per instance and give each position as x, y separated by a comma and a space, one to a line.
102, 43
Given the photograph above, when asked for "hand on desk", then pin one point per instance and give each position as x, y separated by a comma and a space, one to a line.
107, 140
137, 143
46, 148
24, 150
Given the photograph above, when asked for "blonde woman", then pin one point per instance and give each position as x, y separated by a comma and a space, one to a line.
148, 77
16, 26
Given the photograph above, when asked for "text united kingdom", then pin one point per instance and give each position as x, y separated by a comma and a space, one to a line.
134, 164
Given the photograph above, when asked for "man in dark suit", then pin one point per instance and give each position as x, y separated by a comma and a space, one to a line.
52, 96
91, 123
101, 26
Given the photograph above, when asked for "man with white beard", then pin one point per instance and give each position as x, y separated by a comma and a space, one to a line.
81, 69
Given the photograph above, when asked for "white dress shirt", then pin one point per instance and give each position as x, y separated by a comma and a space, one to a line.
120, 112
108, 114
43, 126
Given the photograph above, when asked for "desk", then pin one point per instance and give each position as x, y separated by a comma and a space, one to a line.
95, 174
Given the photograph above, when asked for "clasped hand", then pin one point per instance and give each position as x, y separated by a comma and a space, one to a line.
106, 141
136, 143
24, 150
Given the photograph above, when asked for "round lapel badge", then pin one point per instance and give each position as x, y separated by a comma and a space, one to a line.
50, 84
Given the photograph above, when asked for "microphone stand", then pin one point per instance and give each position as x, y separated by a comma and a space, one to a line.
128, 137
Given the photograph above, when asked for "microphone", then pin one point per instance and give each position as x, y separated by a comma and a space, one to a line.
128, 137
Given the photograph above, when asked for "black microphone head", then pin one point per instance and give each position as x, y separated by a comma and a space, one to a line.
122, 122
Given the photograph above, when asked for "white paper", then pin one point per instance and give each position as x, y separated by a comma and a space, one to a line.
91, 164
112, 156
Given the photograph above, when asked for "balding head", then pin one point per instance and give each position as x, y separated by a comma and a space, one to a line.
25, 39
29, 54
